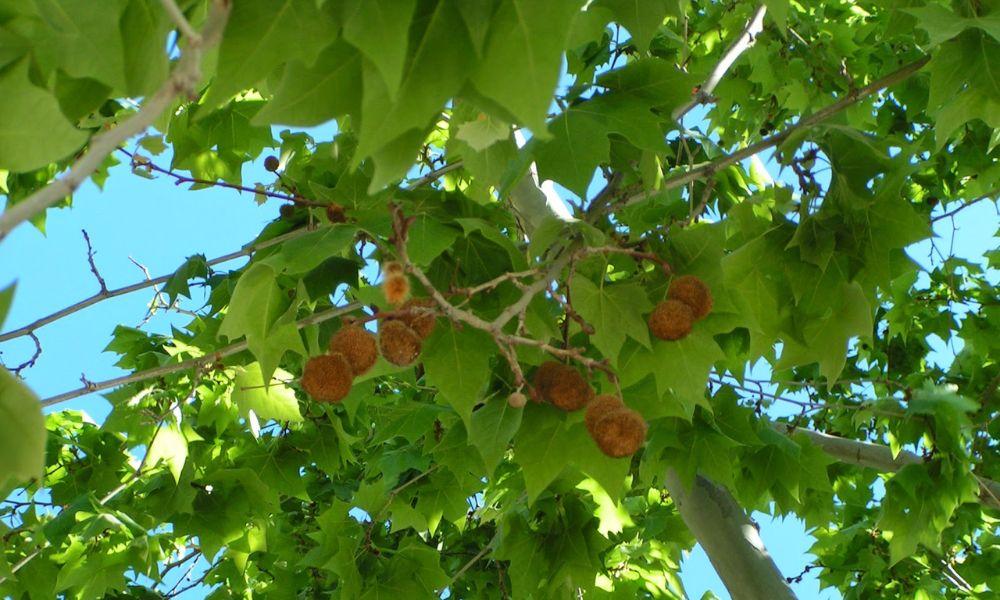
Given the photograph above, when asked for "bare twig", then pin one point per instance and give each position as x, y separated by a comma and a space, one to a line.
142, 162
34, 357
245, 251
951, 213
849, 99
175, 14
704, 94
93, 266
468, 565
182, 81
194, 363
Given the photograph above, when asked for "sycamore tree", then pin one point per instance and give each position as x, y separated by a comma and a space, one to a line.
438, 374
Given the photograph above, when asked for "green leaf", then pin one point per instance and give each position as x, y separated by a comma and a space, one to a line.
614, 310
312, 95
682, 366
658, 82
144, 27
33, 130
943, 24
439, 62
306, 252
177, 285
483, 132
640, 17
276, 401
826, 340
531, 35
262, 34
543, 447
261, 312
579, 144
458, 364
255, 305
82, 42
22, 432
6, 298
170, 446
492, 428
428, 238
380, 29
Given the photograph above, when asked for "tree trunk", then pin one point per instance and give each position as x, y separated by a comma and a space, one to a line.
729, 538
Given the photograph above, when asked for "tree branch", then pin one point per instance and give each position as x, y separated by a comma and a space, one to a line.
849, 99
880, 458
704, 94
729, 538
182, 80
193, 363
106, 294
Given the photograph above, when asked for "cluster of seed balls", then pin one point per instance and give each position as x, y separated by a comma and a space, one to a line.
617, 430
354, 350
688, 300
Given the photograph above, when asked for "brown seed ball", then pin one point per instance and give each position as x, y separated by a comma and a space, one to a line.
563, 386
671, 320
620, 433
399, 344
327, 378
692, 291
396, 288
271, 163
335, 213
287, 211
599, 408
517, 400
358, 345
392, 268
420, 321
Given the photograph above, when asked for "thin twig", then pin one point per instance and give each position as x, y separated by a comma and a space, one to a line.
704, 94
34, 357
849, 99
93, 266
245, 251
193, 363
183, 81
987, 196
485, 550
175, 14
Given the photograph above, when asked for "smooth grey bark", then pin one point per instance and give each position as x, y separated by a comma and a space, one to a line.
880, 458
729, 539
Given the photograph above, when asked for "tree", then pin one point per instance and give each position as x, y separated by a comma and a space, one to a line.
665, 132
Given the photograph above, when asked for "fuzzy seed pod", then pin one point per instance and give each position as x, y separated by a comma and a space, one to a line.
335, 213
396, 288
517, 400
671, 320
392, 268
599, 408
327, 378
692, 291
358, 346
620, 433
399, 344
562, 385
420, 321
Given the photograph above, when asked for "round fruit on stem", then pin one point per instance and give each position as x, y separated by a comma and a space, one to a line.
358, 345
671, 320
562, 385
692, 291
327, 378
398, 343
